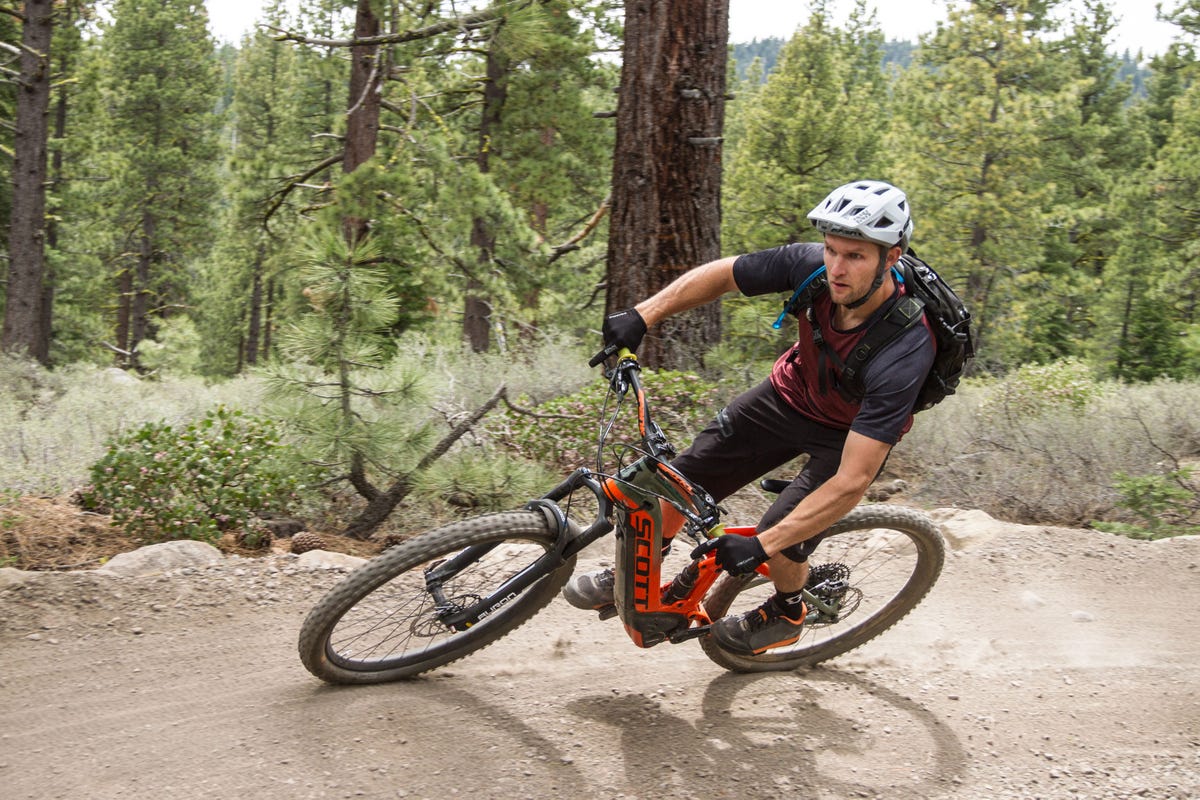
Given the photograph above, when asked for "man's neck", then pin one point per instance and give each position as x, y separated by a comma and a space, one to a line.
847, 318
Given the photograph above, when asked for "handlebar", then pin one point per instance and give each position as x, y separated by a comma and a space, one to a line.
623, 377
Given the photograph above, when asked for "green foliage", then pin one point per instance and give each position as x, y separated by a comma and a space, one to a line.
478, 480
1163, 505
177, 348
978, 105
1039, 388
810, 127
563, 431
162, 482
357, 407
8, 521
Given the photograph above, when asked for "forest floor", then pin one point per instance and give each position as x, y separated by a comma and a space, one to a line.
1046, 663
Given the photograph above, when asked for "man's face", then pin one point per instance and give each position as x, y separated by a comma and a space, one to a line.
851, 266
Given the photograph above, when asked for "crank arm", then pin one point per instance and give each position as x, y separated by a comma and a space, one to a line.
689, 633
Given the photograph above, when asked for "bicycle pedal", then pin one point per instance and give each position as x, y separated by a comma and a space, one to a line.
607, 612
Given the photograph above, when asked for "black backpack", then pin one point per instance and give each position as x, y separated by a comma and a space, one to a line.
926, 292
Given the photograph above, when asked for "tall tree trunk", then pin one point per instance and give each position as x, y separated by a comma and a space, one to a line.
362, 131
56, 177
139, 304
269, 318
124, 308
254, 324
666, 194
477, 313
25, 330
362, 118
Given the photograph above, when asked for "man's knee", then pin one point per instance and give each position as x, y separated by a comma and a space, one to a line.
797, 553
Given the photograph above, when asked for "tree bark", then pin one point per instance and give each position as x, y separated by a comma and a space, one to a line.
666, 194
362, 118
25, 330
254, 325
477, 311
139, 301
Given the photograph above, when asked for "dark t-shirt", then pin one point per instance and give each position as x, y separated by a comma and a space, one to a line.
892, 378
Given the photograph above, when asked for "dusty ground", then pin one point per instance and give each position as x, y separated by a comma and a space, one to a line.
1047, 663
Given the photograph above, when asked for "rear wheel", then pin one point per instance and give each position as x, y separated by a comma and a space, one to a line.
872, 567
389, 620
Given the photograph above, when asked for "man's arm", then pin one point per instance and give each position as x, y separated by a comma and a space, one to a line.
862, 458
691, 289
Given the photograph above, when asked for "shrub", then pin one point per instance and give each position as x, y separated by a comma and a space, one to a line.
562, 432
55, 425
1162, 505
1055, 465
1036, 389
160, 482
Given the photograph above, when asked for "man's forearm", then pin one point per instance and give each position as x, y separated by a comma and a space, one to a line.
694, 288
825, 506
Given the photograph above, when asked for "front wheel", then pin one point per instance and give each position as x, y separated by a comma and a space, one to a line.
871, 568
433, 599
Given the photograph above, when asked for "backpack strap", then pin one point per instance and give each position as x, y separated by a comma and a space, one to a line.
846, 375
907, 312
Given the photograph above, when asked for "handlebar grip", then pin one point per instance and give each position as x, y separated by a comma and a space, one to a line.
602, 355
609, 350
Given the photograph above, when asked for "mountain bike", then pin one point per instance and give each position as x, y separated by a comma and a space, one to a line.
448, 592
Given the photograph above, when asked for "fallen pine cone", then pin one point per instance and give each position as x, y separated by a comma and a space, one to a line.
304, 541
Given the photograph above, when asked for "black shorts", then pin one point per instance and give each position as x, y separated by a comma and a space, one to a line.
756, 433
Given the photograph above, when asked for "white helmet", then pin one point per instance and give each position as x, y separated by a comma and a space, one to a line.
870, 210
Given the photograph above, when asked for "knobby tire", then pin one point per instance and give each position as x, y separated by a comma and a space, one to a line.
894, 556
379, 624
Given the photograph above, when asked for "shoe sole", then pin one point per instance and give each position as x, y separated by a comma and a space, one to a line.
733, 648
743, 651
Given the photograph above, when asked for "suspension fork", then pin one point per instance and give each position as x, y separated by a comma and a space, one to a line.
568, 541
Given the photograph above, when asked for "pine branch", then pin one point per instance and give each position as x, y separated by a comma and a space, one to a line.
525, 412
381, 506
293, 181
466, 23
573, 243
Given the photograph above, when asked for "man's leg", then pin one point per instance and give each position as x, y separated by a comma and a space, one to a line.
780, 620
756, 433
789, 568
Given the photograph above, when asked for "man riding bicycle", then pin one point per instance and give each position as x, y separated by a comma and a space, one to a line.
803, 407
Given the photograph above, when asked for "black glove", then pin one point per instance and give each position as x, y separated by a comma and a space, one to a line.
624, 329
737, 555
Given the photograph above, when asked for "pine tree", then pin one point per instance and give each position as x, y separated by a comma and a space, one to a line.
1089, 143
247, 278
155, 145
973, 114
814, 125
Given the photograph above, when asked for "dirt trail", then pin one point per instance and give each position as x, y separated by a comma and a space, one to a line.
1047, 663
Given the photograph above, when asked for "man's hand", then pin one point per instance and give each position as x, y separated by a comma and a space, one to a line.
737, 555
624, 329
